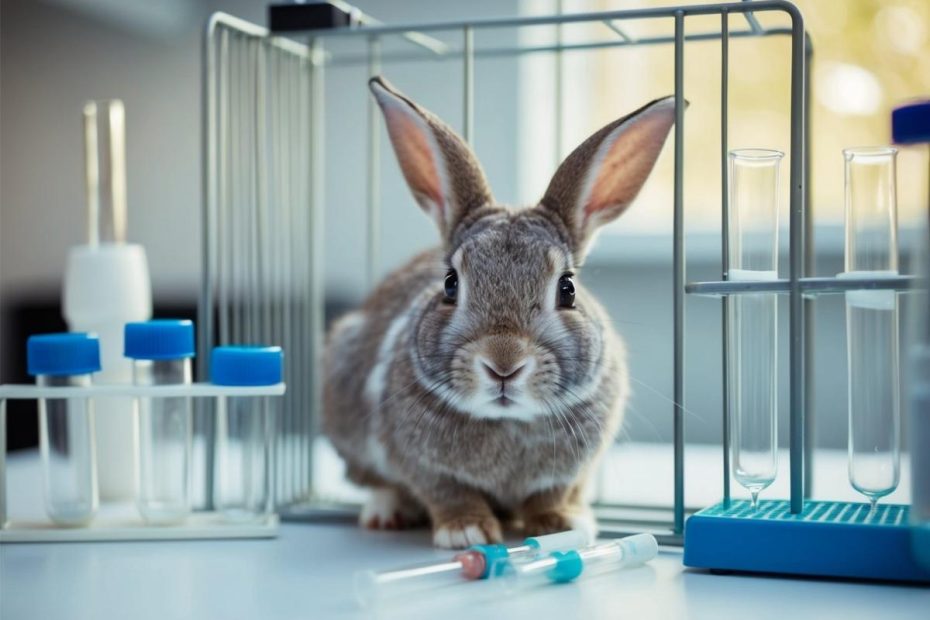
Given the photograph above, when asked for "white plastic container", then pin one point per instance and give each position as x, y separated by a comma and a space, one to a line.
107, 285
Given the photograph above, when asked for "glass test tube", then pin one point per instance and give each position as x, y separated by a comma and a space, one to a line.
377, 587
161, 351
872, 323
561, 567
66, 425
752, 318
245, 428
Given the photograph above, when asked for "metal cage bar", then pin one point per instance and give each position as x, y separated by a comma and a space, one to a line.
258, 277
678, 281
725, 242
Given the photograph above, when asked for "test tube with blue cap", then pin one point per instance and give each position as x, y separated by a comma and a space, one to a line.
66, 425
161, 352
474, 563
242, 488
566, 566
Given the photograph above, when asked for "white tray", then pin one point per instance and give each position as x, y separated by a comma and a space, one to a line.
117, 522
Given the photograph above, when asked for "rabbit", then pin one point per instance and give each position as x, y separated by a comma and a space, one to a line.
480, 382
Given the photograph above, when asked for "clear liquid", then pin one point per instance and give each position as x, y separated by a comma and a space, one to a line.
874, 416
753, 384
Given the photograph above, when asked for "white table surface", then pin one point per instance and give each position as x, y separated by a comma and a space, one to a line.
307, 573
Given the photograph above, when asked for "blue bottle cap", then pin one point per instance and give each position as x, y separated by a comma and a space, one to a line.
74, 353
247, 366
910, 123
161, 339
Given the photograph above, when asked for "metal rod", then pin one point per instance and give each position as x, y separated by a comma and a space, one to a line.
752, 21
678, 276
290, 175
809, 269
796, 367
809, 286
349, 60
208, 235
468, 88
3, 497
374, 168
261, 295
620, 32
570, 18
725, 242
558, 78
317, 152
305, 199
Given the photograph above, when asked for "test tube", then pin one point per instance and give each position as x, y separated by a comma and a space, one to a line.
66, 425
476, 562
565, 566
244, 432
872, 323
752, 319
161, 352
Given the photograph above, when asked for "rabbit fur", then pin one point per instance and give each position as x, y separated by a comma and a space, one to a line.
496, 402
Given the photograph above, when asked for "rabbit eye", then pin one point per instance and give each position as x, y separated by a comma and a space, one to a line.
566, 291
451, 286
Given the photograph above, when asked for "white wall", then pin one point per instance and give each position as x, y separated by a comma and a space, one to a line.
56, 55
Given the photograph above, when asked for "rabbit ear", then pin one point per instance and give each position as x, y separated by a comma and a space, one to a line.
439, 167
599, 180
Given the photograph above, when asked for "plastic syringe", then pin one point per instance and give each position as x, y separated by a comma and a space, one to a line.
564, 566
373, 587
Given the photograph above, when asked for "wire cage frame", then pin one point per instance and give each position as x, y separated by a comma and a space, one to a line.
264, 202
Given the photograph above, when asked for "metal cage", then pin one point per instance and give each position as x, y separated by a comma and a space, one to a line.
263, 206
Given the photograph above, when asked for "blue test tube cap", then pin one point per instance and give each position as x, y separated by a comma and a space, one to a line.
246, 366
910, 123
75, 353
159, 339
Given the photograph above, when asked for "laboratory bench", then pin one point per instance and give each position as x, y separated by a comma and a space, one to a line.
307, 571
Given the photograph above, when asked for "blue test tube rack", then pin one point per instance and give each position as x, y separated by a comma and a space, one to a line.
815, 538
199, 525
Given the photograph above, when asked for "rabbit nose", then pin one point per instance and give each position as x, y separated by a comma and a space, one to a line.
497, 373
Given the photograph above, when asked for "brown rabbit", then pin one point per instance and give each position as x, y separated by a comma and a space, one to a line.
480, 380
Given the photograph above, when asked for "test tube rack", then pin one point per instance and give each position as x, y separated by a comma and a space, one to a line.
120, 522
250, 69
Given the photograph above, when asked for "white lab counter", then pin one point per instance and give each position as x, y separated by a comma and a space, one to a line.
307, 573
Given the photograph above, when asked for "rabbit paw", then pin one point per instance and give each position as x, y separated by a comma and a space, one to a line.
387, 509
553, 521
464, 531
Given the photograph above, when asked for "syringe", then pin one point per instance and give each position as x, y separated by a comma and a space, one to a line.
564, 566
373, 587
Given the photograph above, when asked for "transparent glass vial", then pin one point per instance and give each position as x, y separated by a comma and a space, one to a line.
66, 425
244, 432
752, 319
872, 323
161, 351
